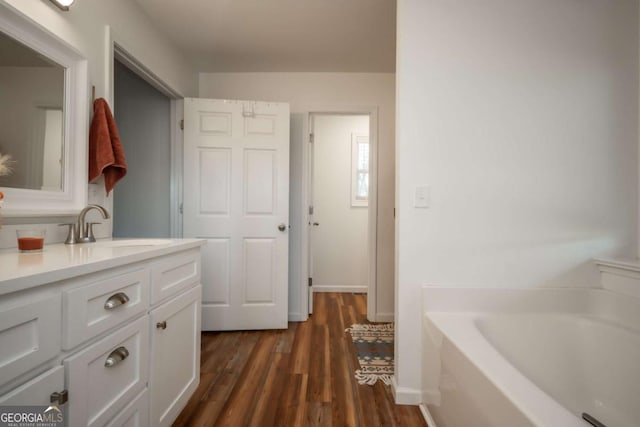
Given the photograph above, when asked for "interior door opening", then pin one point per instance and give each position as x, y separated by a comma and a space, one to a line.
141, 201
339, 193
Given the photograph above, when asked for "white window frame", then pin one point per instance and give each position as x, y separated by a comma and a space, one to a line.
356, 139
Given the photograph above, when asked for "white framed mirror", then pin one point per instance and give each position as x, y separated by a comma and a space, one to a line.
44, 111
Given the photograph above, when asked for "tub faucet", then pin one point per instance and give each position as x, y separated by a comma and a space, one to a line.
81, 231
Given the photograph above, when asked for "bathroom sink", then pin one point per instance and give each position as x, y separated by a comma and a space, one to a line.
133, 242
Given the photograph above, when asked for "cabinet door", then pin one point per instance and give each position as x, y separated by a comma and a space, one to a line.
175, 346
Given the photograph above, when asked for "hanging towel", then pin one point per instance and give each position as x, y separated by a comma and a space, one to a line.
106, 155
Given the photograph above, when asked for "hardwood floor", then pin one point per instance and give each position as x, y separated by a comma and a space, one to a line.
302, 376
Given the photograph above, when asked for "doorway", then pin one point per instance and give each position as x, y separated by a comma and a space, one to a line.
141, 201
122, 62
339, 183
342, 208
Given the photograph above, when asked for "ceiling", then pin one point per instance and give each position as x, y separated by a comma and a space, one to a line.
280, 35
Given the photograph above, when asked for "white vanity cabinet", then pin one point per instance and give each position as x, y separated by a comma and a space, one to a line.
105, 376
118, 335
29, 332
175, 366
135, 414
102, 303
38, 391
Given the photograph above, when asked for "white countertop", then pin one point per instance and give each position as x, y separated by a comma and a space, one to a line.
19, 271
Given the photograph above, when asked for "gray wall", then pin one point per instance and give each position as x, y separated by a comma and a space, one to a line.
141, 198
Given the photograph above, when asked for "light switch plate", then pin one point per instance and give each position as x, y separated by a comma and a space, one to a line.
94, 195
422, 198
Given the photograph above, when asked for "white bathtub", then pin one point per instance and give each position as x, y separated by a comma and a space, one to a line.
511, 358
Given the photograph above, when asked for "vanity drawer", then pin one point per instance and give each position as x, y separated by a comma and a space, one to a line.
103, 378
29, 335
173, 274
136, 414
37, 391
101, 305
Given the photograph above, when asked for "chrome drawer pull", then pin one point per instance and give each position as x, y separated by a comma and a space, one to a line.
115, 300
116, 356
162, 325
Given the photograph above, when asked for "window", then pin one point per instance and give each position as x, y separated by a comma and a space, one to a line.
359, 169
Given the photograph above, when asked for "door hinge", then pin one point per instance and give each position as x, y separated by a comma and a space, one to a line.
180, 208
310, 282
311, 138
182, 124
310, 210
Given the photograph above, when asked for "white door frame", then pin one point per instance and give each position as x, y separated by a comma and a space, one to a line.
115, 50
372, 112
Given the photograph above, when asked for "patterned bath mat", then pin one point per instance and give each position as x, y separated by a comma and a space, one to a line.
374, 347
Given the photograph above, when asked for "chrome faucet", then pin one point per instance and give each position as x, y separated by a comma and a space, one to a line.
81, 231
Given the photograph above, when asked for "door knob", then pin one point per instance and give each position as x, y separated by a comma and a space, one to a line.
316, 224
282, 227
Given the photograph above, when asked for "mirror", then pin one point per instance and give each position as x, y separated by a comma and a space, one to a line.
44, 119
31, 123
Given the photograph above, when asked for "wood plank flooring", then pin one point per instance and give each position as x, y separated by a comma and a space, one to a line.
302, 376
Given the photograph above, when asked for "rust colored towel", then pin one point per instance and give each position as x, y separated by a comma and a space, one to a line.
106, 155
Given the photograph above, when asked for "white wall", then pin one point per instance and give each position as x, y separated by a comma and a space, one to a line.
339, 243
307, 92
141, 204
522, 116
84, 28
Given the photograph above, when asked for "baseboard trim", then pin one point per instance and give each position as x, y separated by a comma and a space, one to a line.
405, 395
384, 317
297, 317
427, 415
394, 384
348, 289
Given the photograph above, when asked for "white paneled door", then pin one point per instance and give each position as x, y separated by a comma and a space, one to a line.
236, 196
